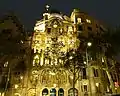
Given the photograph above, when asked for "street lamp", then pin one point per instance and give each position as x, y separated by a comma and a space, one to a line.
89, 44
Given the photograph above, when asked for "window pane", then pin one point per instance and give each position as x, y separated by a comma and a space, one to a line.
84, 73
45, 92
61, 92
80, 28
70, 92
53, 92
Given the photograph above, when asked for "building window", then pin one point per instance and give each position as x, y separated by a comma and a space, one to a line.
6, 31
104, 73
70, 28
48, 30
88, 21
6, 64
53, 92
85, 88
96, 26
79, 20
45, 92
89, 28
84, 73
70, 92
47, 61
80, 28
61, 31
101, 29
60, 92
98, 87
95, 72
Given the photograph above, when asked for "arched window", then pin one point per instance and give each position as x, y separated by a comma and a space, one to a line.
60, 92
53, 92
70, 92
45, 92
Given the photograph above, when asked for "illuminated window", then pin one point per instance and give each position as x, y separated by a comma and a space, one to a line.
6, 64
103, 59
40, 27
36, 60
79, 20
16, 86
55, 25
88, 21
21, 77
33, 62
98, 87
36, 41
70, 29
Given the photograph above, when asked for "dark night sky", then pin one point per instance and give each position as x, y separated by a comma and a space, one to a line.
30, 10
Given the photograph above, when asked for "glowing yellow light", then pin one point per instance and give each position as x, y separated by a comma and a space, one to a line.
97, 84
6, 64
55, 26
89, 44
88, 21
79, 20
40, 27
36, 57
103, 59
16, 86
54, 85
70, 57
2, 94
22, 42
84, 62
21, 77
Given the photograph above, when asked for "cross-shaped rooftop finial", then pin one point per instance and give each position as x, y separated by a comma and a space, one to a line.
47, 7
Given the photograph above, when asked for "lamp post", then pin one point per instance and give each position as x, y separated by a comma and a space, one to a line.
89, 44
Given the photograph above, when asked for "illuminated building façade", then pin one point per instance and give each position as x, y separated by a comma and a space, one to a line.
53, 68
